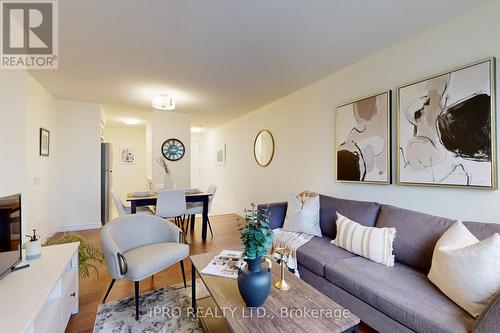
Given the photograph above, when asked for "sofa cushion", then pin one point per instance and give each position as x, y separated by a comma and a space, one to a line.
465, 269
417, 234
363, 212
401, 292
369, 242
277, 212
482, 230
318, 252
489, 320
366, 313
302, 214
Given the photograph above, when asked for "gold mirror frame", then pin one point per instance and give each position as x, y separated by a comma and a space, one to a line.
255, 143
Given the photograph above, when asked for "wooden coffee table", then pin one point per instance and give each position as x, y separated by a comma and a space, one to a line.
299, 309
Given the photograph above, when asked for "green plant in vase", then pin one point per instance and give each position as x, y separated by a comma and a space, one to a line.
254, 283
256, 234
89, 257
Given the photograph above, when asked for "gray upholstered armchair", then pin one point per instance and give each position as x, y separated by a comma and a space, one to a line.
138, 246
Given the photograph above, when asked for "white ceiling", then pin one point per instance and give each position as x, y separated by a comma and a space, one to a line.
222, 58
117, 115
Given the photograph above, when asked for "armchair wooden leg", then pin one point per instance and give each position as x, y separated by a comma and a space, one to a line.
183, 273
109, 289
136, 283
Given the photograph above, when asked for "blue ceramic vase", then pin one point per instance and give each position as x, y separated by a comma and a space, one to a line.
254, 282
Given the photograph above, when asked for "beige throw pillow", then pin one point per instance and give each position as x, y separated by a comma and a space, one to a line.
465, 269
302, 215
372, 243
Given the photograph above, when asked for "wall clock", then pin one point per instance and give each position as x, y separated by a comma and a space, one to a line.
173, 149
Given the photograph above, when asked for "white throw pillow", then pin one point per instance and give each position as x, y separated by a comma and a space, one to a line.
465, 269
369, 242
303, 217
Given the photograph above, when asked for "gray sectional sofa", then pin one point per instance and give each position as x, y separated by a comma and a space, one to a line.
389, 299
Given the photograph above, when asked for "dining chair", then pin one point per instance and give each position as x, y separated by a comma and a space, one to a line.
123, 209
197, 208
138, 246
172, 204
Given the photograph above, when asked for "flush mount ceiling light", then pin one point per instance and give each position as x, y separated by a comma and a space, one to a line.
131, 121
164, 102
196, 129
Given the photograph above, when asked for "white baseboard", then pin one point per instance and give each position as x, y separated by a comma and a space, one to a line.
77, 227
220, 210
71, 227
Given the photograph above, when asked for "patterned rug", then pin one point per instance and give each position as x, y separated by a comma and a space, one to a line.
161, 310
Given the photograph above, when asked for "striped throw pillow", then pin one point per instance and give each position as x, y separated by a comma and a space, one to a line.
372, 243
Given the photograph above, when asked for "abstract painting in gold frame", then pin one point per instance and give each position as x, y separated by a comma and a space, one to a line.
446, 129
363, 140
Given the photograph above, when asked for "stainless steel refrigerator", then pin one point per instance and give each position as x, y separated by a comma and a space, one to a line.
106, 172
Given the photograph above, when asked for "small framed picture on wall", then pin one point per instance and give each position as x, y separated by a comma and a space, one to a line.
220, 154
44, 142
127, 156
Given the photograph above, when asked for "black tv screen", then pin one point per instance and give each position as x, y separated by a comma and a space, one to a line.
10, 232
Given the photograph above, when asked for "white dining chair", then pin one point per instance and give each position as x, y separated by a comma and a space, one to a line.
171, 204
197, 208
123, 209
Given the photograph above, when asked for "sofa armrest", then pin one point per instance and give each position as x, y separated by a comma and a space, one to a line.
277, 212
489, 320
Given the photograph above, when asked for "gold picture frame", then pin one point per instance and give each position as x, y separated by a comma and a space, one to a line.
351, 164
458, 161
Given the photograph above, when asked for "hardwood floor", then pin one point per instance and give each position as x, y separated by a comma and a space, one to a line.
92, 290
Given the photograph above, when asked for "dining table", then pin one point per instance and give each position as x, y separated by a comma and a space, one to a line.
140, 200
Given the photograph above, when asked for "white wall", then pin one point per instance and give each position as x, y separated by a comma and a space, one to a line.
303, 128
41, 171
25, 107
13, 85
79, 156
166, 125
195, 159
60, 192
128, 178
149, 151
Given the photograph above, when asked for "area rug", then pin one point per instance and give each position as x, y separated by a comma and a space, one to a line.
161, 310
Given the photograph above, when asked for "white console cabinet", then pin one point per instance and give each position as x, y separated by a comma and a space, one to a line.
42, 297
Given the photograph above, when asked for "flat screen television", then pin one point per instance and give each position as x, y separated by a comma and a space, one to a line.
10, 233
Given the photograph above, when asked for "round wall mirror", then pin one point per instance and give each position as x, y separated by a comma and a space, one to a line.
263, 148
